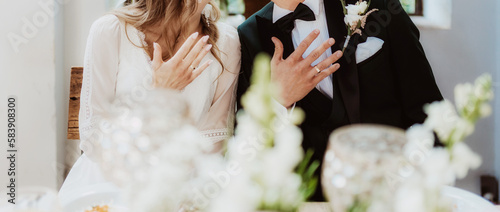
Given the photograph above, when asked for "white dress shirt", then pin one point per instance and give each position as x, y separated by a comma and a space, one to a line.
303, 29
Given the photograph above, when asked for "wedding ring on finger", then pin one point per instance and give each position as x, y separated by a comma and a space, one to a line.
192, 67
317, 69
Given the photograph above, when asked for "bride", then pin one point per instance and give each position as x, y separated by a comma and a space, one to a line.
156, 44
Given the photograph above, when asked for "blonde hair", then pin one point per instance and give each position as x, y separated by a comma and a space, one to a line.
143, 14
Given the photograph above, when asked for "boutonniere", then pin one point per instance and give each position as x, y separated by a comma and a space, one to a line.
355, 18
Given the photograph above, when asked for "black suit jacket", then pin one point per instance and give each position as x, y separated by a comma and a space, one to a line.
390, 88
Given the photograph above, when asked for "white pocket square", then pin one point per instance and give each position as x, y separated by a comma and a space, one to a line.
369, 48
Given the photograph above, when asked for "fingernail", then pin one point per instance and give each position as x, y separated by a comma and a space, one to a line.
316, 31
339, 53
336, 65
331, 41
194, 35
273, 39
210, 62
208, 47
205, 38
155, 45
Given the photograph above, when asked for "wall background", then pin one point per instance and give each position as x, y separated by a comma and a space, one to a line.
497, 107
30, 74
39, 75
461, 55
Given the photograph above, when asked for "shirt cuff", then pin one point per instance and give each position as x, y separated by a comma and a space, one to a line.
282, 112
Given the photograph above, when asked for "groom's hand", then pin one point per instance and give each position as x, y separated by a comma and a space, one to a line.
295, 76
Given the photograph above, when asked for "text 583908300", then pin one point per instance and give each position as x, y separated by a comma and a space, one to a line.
11, 123
11, 148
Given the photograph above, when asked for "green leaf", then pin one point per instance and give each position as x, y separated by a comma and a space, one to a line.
311, 170
343, 6
303, 165
311, 188
306, 170
358, 206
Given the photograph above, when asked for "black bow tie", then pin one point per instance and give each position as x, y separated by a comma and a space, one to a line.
302, 12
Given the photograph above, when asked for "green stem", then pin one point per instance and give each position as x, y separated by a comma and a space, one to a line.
343, 6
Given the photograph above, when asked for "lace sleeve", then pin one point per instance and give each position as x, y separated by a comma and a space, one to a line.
99, 79
220, 120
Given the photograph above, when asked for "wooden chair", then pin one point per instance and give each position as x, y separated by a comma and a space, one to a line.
74, 102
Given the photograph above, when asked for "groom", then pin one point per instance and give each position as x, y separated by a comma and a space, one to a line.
383, 77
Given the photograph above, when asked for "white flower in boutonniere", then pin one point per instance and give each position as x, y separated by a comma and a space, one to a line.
358, 8
355, 18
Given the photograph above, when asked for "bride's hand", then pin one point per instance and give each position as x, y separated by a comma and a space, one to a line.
183, 67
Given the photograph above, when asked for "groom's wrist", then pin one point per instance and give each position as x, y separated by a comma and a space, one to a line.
287, 105
283, 99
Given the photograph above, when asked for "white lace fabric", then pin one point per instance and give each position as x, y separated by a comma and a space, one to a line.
115, 66
216, 134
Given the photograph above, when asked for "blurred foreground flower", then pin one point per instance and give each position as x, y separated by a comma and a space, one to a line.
268, 151
154, 153
438, 167
389, 178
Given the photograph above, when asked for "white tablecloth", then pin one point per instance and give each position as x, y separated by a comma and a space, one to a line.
325, 207
315, 207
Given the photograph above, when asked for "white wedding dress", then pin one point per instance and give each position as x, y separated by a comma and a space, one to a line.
115, 67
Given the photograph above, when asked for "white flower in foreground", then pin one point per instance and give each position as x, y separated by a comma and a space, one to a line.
256, 106
288, 144
463, 159
377, 206
483, 87
241, 195
273, 173
472, 99
437, 169
410, 197
153, 152
420, 143
442, 166
277, 174
463, 93
267, 150
485, 110
290, 195
444, 120
441, 116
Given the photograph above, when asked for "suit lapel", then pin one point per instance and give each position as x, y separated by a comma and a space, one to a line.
335, 20
347, 75
267, 30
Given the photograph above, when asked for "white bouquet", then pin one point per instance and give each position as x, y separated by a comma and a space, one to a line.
437, 167
154, 153
267, 152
